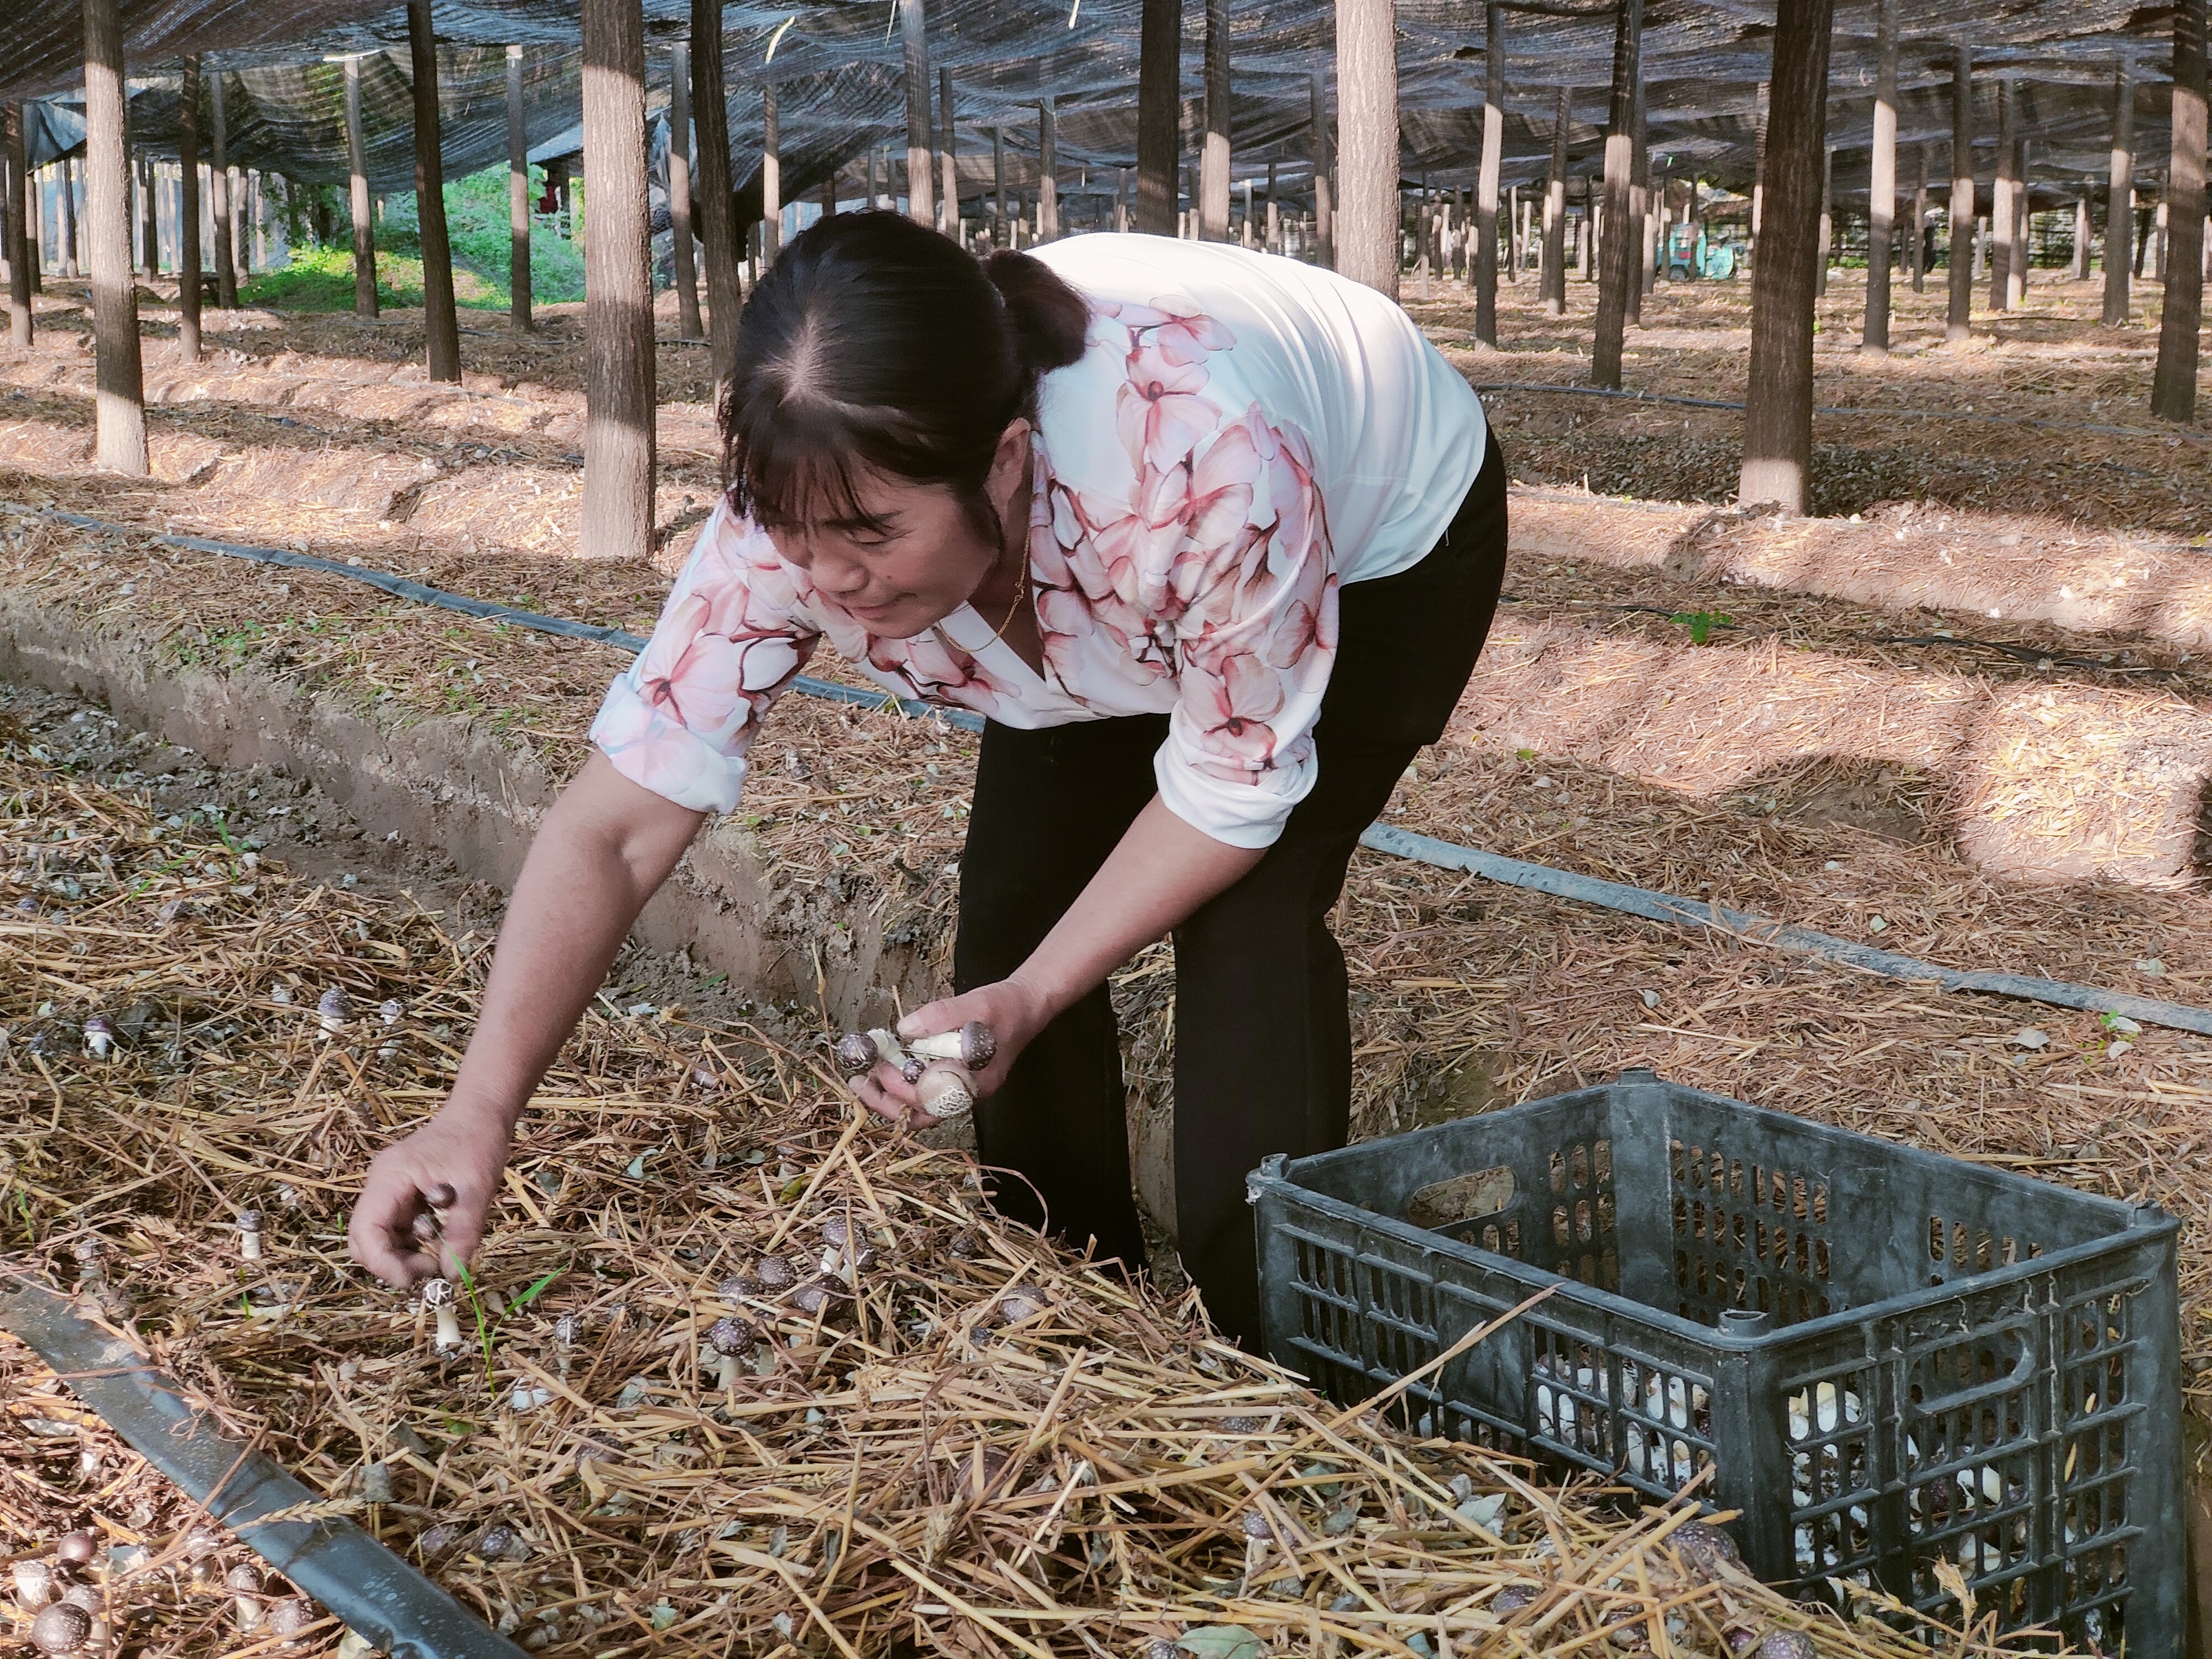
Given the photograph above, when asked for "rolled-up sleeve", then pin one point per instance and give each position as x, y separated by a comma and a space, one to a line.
731, 639
1254, 594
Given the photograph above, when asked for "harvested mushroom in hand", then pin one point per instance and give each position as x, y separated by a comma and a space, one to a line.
972, 1045
438, 1298
947, 1090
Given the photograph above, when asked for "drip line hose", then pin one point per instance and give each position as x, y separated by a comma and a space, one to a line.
275, 1514
1877, 413
1378, 837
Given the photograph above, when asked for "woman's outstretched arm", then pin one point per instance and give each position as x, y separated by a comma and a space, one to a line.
600, 853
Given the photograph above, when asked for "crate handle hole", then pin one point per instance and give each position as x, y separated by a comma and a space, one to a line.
1475, 1196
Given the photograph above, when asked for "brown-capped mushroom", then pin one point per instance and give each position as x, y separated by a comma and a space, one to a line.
65, 1627
249, 1235
438, 1298
1705, 1548
728, 1339
1786, 1645
90, 1253
1511, 1599
1017, 1303
76, 1549
775, 1274
99, 1037
287, 1618
972, 1045
946, 1090
856, 1052
243, 1583
332, 1012
565, 1329
818, 1298
34, 1584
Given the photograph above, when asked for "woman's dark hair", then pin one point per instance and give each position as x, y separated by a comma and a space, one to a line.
875, 340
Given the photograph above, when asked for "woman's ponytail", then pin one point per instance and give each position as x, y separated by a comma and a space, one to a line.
1050, 318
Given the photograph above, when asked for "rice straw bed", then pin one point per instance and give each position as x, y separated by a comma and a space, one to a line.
950, 1436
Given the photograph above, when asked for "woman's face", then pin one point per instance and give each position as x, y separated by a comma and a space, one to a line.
911, 554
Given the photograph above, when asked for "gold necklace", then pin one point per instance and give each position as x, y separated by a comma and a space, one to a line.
1021, 592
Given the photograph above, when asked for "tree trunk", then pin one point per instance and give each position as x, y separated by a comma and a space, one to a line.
66, 170
1047, 171
1159, 114
2079, 270
718, 234
149, 231
920, 169
226, 246
2173, 384
1367, 140
771, 174
1882, 189
1213, 157
119, 408
1919, 253
1828, 238
1639, 197
20, 199
1777, 411
1485, 182
1619, 238
948, 217
1762, 101
2018, 231
1002, 227
618, 366
440, 328
188, 215
518, 205
1555, 210
364, 218
2119, 198
2008, 181
1957, 323
688, 325
1323, 159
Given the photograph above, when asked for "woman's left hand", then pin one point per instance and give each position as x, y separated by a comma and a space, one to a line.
1014, 1010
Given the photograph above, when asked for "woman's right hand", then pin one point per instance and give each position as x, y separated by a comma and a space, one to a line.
462, 1151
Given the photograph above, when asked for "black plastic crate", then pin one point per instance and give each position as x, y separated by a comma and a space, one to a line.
1890, 1358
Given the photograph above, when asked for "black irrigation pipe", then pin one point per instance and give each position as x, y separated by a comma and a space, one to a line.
1381, 837
276, 1515
1826, 408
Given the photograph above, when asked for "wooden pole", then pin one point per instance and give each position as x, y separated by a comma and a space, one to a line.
1554, 278
1002, 225
1762, 101
1919, 249
771, 172
188, 215
2008, 181
149, 231
2173, 384
1213, 156
1159, 109
1619, 238
1048, 170
618, 368
1485, 179
688, 326
441, 335
920, 169
1827, 237
2080, 269
364, 217
1639, 202
1122, 201
20, 199
1367, 140
65, 171
518, 205
1882, 188
718, 234
1957, 323
948, 215
1323, 159
1272, 240
1777, 410
2119, 197
225, 249
119, 406
2017, 228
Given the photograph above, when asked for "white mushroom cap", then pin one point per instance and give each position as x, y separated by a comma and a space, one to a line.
34, 1584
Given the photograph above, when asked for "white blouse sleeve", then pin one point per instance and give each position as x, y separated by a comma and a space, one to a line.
1253, 592
730, 638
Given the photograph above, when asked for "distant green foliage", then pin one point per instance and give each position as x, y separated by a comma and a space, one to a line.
322, 279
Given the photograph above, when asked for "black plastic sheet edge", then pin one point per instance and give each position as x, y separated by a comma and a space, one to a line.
330, 1558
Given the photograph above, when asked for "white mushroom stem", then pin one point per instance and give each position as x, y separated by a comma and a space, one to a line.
449, 1327
727, 1373
947, 1089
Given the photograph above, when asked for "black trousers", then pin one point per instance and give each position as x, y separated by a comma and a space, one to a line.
1263, 1039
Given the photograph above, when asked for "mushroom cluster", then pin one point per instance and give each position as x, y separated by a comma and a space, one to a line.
941, 1069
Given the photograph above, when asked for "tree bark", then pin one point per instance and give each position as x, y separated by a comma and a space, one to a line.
1762, 101
20, 197
119, 406
710, 119
1827, 237
1639, 197
1214, 157
1555, 210
65, 170
1159, 116
618, 366
2080, 270
1777, 413
1619, 238
188, 215
921, 167
1002, 225
149, 231
1367, 163
2119, 198
1882, 189
688, 326
441, 335
1323, 159
771, 172
364, 219
225, 247
517, 206
1957, 324
2000, 195
1486, 180
2173, 384
1919, 252
1047, 171
2017, 230
948, 217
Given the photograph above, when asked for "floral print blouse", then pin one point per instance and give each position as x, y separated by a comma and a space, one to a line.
1181, 550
